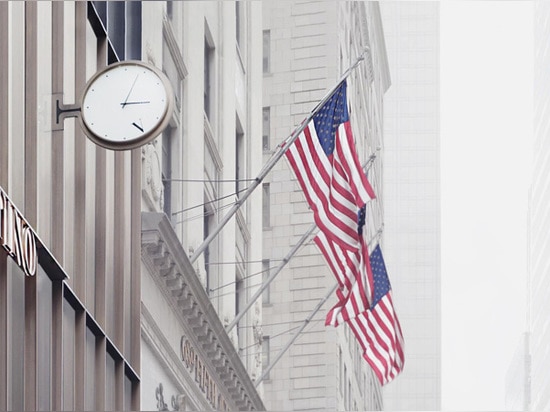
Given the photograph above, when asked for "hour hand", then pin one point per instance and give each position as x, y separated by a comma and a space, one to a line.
138, 126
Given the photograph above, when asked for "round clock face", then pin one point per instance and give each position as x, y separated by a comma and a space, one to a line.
126, 105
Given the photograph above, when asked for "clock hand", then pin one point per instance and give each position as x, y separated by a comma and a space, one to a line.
127, 103
131, 88
139, 127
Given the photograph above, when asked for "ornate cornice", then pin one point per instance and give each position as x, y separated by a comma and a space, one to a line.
164, 256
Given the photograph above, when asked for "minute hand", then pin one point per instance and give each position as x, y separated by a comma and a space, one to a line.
130, 91
127, 103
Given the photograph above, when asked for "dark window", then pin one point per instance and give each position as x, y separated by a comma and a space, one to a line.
265, 354
238, 22
119, 22
266, 124
266, 213
266, 51
208, 78
265, 274
167, 170
208, 222
239, 161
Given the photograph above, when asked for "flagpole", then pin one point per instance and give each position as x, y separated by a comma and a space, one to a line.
281, 149
295, 336
283, 263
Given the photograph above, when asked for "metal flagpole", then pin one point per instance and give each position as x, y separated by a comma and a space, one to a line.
296, 334
274, 159
304, 324
283, 263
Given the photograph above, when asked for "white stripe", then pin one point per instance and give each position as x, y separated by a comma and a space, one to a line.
329, 171
317, 201
354, 168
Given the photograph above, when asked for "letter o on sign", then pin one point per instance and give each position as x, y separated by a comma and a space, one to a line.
29, 251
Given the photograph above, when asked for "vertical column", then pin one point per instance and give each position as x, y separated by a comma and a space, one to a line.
80, 157
4, 144
135, 297
57, 344
119, 249
100, 211
31, 200
57, 208
58, 173
80, 360
120, 253
100, 249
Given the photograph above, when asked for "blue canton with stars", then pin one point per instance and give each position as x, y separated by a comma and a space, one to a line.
333, 113
381, 282
361, 215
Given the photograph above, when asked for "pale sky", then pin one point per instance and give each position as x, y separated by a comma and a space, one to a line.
486, 135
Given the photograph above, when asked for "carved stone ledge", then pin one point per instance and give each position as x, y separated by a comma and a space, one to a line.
169, 265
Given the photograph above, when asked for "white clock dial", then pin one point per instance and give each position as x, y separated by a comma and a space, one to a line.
126, 105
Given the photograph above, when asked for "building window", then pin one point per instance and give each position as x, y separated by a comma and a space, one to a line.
239, 159
167, 171
266, 201
208, 224
208, 78
265, 274
239, 300
266, 124
265, 354
120, 23
266, 51
239, 23
169, 9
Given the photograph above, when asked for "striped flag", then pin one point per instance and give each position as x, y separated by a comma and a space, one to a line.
325, 162
354, 275
377, 329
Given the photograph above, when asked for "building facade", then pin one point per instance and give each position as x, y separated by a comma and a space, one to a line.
412, 198
539, 260
191, 175
518, 389
307, 46
104, 304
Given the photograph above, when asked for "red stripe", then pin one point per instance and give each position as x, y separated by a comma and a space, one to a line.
311, 182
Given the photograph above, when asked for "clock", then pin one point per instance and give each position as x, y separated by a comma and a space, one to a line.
126, 105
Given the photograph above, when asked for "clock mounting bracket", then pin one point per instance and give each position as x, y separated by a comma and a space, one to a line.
61, 111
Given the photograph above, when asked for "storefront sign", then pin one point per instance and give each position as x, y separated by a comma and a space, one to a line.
194, 363
16, 236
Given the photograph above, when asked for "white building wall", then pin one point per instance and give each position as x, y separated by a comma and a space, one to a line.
539, 236
203, 164
412, 198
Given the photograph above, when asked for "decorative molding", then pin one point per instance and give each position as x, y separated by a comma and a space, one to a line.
211, 144
153, 188
167, 262
172, 44
163, 351
241, 222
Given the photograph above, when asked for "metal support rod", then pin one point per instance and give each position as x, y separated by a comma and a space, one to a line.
295, 336
281, 149
283, 263
272, 276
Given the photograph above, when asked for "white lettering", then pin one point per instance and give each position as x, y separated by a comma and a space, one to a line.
17, 237
205, 382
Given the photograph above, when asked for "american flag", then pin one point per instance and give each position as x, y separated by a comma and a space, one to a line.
353, 273
326, 165
377, 329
